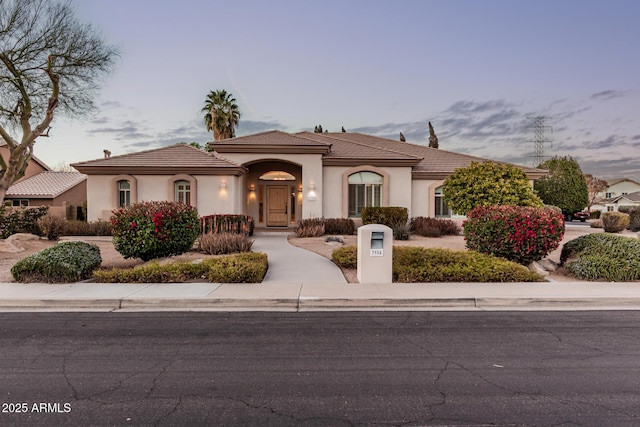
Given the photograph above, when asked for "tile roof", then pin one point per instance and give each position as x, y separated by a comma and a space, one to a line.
633, 197
274, 137
176, 158
46, 185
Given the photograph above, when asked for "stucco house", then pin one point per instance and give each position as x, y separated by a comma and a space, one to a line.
280, 178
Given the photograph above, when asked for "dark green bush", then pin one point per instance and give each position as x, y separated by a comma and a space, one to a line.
52, 226
634, 219
346, 256
236, 268
83, 228
154, 229
517, 233
595, 214
310, 227
227, 223
614, 222
339, 226
417, 265
24, 220
386, 215
65, 262
602, 256
625, 209
224, 243
434, 227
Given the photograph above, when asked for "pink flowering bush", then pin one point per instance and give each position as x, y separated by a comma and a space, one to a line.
151, 230
518, 233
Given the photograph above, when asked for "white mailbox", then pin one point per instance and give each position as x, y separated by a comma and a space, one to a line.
375, 250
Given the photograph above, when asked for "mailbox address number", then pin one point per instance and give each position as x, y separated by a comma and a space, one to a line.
377, 252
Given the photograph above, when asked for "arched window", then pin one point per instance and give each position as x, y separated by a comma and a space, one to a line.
365, 190
183, 192
442, 210
124, 193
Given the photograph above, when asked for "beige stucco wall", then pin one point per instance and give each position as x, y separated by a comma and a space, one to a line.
210, 198
312, 175
335, 203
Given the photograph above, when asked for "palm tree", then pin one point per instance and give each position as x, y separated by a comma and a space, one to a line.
221, 114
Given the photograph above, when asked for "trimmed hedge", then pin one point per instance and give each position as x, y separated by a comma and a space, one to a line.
75, 227
339, 226
434, 227
227, 223
224, 243
614, 222
236, 268
602, 256
518, 233
63, 263
390, 216
419, 265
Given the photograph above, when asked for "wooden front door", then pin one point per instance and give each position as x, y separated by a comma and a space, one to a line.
277, 196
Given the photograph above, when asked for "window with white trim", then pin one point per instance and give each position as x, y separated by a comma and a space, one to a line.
183, 192
124, 193
442, 209
365, 190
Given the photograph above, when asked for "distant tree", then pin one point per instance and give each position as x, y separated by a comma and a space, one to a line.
343, 131
317, 129
595, 187
222, 114
565, 186
50, 63
488, 184
63, 166
433, 139
402, 138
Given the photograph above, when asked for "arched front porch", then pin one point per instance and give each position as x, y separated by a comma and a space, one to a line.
273, 193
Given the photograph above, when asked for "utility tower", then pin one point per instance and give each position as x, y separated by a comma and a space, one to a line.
539, 138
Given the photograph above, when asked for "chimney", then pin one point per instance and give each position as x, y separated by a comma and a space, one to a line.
107, 153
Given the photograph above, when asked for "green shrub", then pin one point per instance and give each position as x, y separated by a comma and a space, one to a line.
24, 220
625, 209
84, 228
595, 214
339, 226
52, 226
65, 262
224, 243
346, 256
310, 227
417, 265
386, 215
401, 231
434, 227
227, 223
236, 268
517, 233
634, 219
614, 222
602, 256
154, 229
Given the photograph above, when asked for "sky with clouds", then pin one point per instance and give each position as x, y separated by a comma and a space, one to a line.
477, 69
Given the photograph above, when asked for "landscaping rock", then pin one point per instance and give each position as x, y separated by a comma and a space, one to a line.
537, 268
12, 243
548, 264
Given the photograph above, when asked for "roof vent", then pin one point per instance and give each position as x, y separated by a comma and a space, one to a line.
107, 153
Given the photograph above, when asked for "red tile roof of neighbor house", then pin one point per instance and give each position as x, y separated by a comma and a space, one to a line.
179, 158
46, 185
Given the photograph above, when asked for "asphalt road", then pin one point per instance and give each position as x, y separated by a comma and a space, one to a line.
317, 369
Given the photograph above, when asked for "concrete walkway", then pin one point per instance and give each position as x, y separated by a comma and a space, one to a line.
290, 264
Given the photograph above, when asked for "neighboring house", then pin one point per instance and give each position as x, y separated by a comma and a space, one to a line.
616, 195
34, 167
280, 178
64, 192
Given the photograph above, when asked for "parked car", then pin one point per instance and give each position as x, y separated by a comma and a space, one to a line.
582, 216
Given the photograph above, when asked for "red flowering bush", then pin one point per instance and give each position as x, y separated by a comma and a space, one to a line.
154, 229
517, 233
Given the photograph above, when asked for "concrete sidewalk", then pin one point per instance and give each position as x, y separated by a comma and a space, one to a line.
313, 297
299, 280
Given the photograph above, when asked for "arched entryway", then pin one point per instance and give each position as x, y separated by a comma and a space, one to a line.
274, 193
